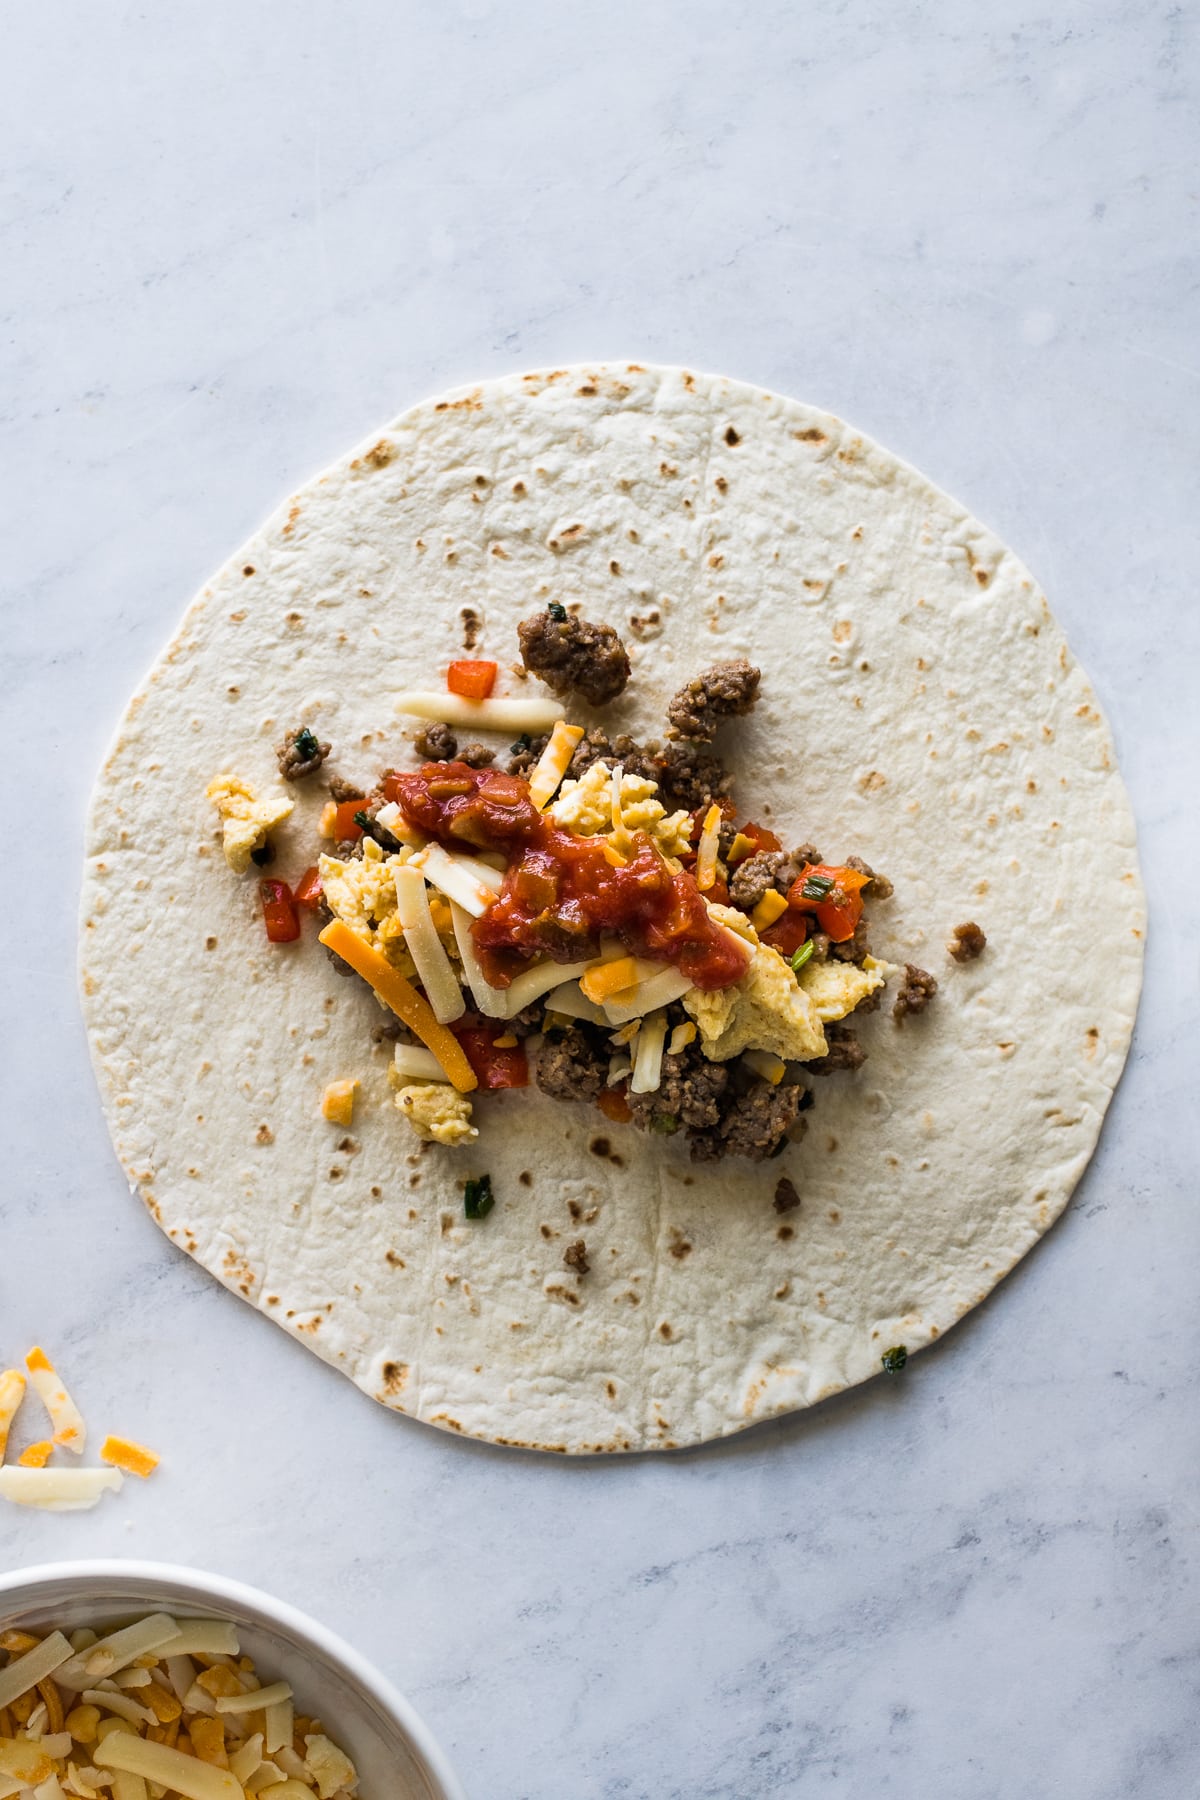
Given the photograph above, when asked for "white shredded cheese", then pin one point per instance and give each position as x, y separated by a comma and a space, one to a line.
552, 764
426, 948
65, 1416
491, 1001
206, 1637
413, 1062
279, 1726
532, 715
118, 1703
471, 884
393, 820
657, 990
25, 1673
681, 1037
531, 984
58, 1490
647, 1061
619, 1069
256, 1698
706, 850
573, 1003
181, 1774
12, 1392
765, 1063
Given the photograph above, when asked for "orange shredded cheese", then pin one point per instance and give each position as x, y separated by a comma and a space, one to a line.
396, 991
123, 1453
772, 906
337, 1102
12, 1392
706, 850
65, 1417
606, 978
37, 1455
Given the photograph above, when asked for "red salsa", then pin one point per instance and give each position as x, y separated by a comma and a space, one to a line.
562, 892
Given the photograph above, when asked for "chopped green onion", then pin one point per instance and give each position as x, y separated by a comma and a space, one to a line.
522, 743
817, 886
478, 1199
894, 1360
364, 819
307, 743
666, 1122
557, 612
801, 957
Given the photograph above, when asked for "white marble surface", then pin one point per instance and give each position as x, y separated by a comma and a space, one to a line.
232, 238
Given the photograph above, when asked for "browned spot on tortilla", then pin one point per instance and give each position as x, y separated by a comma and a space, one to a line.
237, 617
783, 1290
785, 1232
716, 560
472, 625
720, 483
249, 569
679, 1247
856, 534
668, 468
547, 1231
568, 537
293, 515
311, 1326
264, 1135
378, 456
842, 631
610, 1388
394, 1377
732, 437
810, 435
394, 1261
575, 1210
525, 1178
210, 943
834, 1215
665, 1332
1093, 1039
981, 575
557, 1291
871, 781
469, 403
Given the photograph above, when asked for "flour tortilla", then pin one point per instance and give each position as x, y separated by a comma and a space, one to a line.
920, 708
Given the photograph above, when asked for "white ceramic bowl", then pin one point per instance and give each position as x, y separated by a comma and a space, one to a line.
396, 1757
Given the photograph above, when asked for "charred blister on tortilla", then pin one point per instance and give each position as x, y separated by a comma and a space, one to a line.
595, 918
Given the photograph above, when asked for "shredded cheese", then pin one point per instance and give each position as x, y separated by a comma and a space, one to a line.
647, 1060
611, 974
182, 1774
553, 763
393, 820
740, 849
706, 850
337, 1101
772, 1068
434, 970
413, 1063
120, 1648
24, 1673
12, 1392
571, 1002
37, 1455
122, 1453
65, 1416
58, 1490
659, 989
465, 880
772, 906
531, 984
254, 1700
681, 1037
532, 715
491, 1001
396, 991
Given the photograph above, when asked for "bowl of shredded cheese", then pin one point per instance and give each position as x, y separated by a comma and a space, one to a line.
134, 1681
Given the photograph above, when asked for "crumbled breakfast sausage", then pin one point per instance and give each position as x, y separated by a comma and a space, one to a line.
967, 943
688, 1093
476, 756
341, 791
301, 753
572, 655
436, 743
854, 949
722, 692
689, 778
572, 1065
786, 1198
754, 1124
877, 886
524, 754
575, 1257
845, 1052
754, 878
918, 990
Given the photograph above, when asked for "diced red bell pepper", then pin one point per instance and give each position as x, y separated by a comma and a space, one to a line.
307, 892
718, 893
495, 1065
473, 680
614, 1105
279, 912
345, 831
788, 932
841, 909
760, 837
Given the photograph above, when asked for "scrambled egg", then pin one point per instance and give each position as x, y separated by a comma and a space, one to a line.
586, 807
836, 988
770, 1009
245, 821
363, 895
438, 1112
